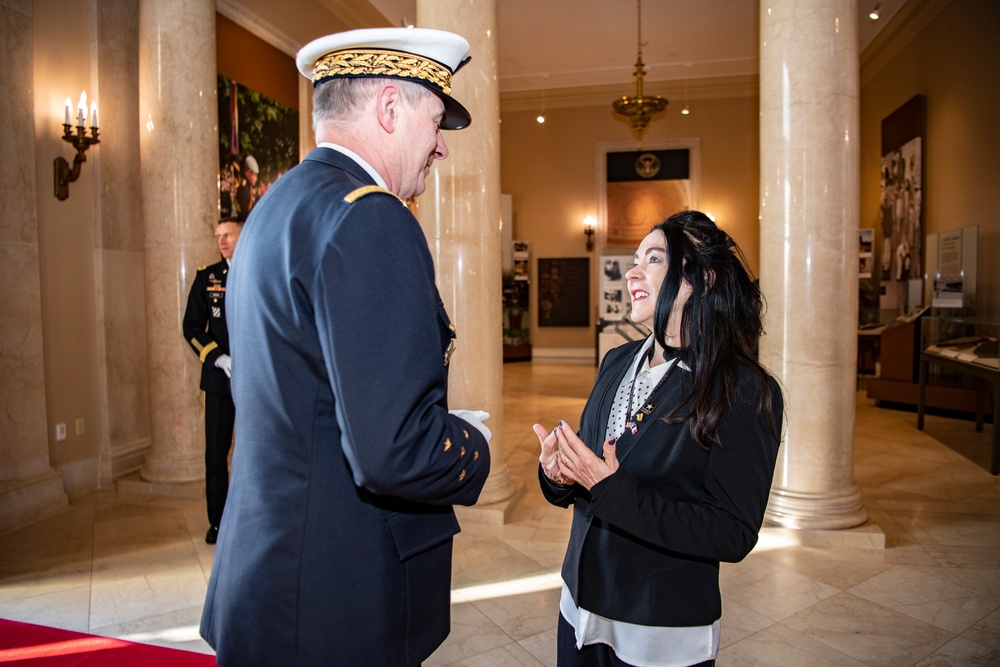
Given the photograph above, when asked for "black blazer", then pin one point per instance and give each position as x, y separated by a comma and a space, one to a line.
646, 542
336, 543
205, 324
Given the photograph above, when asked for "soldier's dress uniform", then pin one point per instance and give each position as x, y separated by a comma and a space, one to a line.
337, 542
206, 331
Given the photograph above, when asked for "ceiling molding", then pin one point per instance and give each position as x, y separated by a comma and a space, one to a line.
910, 20
254, 24
356, 13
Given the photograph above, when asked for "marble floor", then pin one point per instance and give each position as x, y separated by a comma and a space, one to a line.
136, 566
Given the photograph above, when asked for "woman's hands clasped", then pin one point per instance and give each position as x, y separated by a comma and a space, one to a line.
565, 459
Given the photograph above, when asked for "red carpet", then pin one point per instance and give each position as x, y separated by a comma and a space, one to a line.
27, 645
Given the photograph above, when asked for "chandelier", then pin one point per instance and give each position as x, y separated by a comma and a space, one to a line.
639, 109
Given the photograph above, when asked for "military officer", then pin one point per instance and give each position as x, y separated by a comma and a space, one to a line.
206, 331
337, 541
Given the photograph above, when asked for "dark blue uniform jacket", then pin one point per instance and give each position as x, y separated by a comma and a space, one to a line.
336, 544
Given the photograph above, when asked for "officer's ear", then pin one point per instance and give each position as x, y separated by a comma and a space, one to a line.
388, 103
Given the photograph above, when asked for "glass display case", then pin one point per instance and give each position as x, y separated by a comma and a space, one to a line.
968, 340
962, 352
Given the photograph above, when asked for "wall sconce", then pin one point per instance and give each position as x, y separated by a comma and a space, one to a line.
589, 226
81, 142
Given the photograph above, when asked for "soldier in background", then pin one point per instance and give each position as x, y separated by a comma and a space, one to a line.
206, 331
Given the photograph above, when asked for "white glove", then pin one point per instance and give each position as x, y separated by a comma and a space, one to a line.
225, 363
475, 418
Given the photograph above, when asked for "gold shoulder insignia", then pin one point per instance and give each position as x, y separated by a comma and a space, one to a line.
203, 267
367, 190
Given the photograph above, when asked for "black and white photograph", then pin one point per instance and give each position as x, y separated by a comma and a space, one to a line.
901, 188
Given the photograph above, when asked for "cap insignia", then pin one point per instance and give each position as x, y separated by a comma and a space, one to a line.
377, 62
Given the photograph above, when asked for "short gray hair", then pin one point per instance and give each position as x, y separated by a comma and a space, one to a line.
341, 99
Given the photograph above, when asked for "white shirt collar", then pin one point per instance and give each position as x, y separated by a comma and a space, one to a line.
357, 158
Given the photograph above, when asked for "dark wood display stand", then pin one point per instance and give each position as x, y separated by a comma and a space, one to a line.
899, 378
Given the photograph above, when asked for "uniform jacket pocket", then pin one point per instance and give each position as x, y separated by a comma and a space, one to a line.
415, 533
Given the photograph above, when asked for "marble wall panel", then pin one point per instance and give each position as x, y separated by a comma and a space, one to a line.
23, 436
17, 149
29, 488
119, 180
119, 239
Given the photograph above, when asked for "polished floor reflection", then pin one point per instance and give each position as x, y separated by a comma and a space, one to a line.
136, 567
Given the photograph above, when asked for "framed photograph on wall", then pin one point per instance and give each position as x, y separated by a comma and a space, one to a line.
564, 292
643, 188
635, 189
865, 254
613, 287
901, 209
255, 132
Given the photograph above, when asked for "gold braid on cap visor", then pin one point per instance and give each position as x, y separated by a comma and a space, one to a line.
375, 62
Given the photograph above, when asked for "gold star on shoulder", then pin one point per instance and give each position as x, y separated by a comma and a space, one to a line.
447, 444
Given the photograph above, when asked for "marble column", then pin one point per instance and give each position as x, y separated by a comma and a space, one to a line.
30, 489
809, 170
178, 148
460, 214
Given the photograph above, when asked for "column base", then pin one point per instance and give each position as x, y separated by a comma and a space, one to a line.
134, 483
123, 459
815, 511
25, 501
173, 471
490, 513
866, 536
499, 486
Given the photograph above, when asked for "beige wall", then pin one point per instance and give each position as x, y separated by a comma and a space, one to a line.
62, 67
550, 171
253, 62
950, 54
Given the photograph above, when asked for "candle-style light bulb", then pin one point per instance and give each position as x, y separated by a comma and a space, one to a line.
81, 114
93, 115
69, 107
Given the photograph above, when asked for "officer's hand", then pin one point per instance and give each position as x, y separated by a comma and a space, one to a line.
225, 363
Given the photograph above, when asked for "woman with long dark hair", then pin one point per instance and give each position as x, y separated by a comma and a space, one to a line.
672, 466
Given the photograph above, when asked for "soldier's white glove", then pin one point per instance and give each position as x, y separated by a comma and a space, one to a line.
225, 363
475, 418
